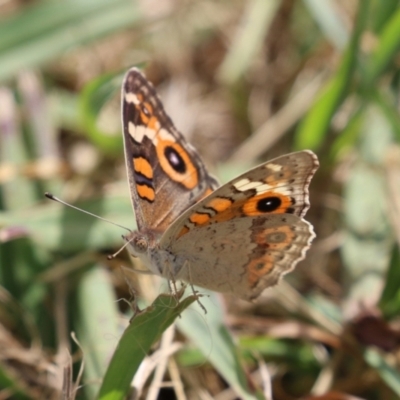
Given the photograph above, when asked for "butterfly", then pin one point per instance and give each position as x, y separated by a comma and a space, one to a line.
238, 238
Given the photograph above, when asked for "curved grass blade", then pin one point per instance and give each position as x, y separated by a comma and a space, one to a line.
144, 330
93, 97
98, 324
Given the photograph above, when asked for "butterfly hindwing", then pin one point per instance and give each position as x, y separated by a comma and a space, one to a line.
249, 232
242, 256
279, 186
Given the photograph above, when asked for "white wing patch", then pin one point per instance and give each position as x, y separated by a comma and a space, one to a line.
274, 167
138, 132
164, 135
131, 98
245, 184
261, 187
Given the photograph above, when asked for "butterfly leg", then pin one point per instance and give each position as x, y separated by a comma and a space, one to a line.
169, 276
172, 286
133, 301
195, 293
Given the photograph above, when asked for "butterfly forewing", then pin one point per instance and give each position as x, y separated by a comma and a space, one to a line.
166, 175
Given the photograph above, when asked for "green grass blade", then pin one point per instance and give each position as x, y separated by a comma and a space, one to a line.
390, 299
17, 191
389, 44
349, 135
79, 26
249, 39
97, 328
381, 12
93, 97
30, 22
311, 131
144, 330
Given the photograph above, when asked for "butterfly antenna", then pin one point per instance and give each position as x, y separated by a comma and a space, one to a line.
51, 197
112, 256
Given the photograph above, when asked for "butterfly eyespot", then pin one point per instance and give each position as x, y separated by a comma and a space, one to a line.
175, 159
276, 237
176, 163
259, 266
269, 204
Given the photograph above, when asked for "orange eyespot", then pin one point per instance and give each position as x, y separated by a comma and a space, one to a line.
176, 163
275, 238
269, 202
259, 267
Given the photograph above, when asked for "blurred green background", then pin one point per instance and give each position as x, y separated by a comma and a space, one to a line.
244, 81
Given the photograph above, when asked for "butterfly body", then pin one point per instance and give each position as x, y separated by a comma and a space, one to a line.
238, 238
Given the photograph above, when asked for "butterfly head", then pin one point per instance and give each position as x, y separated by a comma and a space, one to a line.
138, 243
